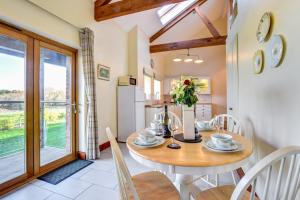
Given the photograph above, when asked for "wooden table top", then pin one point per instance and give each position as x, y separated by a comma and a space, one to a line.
191, 154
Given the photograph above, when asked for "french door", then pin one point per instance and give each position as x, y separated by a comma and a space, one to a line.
37, 107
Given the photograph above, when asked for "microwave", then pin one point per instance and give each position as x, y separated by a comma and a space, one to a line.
126, 80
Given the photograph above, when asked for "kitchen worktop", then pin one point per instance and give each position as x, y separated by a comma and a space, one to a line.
160, 105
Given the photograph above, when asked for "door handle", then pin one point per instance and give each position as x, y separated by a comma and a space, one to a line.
74, 108
230, 108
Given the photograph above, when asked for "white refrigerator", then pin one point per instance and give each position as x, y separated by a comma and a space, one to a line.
131, 111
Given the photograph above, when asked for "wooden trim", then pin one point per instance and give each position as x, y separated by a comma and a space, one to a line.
36, 109
72, 155
177, 19
126, 7
104, 146
205, 42
30, 107
214, 32
28, 87
102, 2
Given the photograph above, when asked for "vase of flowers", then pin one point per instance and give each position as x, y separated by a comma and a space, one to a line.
184, 93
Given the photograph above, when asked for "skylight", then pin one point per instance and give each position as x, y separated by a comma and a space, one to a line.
169, 12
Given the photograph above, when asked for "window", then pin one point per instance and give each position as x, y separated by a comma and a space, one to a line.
157, 89
169, 12
147, 86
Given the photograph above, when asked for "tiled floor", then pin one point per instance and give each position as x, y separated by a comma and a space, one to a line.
13, 165
95, 182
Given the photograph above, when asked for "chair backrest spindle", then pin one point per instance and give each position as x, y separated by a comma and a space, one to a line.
279, 178
267, 184
283, 191
124, 177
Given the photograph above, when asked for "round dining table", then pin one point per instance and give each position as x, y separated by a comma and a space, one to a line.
190, 160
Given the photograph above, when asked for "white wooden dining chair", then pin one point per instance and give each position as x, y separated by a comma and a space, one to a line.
231, 124
275, 183
228, 122
144, 186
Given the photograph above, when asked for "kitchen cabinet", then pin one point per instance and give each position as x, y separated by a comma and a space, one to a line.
203, 112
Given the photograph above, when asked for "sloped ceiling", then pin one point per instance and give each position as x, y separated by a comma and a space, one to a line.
190, 27
80, 13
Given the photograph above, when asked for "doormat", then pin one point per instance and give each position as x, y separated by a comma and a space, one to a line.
58, 175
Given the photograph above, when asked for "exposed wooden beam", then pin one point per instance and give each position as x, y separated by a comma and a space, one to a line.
125, 7
207, 23
176, 20
205, 42
102, 2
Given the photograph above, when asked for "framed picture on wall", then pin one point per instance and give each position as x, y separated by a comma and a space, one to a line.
103, 72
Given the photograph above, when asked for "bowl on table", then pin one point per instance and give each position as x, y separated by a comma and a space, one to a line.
204, 125
221, 140
147, 137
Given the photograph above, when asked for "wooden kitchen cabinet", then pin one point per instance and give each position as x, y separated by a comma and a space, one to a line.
203, 112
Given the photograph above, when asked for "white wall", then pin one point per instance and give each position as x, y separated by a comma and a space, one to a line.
269, 102
110, 50
27, 15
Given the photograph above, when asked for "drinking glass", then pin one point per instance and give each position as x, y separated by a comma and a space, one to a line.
173, 126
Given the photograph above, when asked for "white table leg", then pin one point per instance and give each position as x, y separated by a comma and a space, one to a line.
182, 183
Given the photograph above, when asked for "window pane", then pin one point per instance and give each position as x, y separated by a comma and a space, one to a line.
55, 106
147, 86
12, 108
157, 89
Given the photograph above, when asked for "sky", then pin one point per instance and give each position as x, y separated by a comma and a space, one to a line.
12, 74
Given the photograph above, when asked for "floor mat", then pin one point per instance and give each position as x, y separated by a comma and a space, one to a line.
56, 176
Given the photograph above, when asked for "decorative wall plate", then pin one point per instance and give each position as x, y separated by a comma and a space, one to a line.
277, 48
258, 62
263, 27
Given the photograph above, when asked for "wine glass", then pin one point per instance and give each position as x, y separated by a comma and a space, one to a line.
173, 126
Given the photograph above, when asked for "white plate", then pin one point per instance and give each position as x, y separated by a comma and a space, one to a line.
158, 142
263, 27
208, 144
276, 50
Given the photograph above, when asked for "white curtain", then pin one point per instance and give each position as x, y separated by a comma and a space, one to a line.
87, 48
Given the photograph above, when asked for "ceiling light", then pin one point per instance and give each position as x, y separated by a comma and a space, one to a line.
187, 60
177, 59
198, 61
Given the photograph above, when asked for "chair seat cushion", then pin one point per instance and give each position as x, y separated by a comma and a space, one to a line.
220, 193
154, 185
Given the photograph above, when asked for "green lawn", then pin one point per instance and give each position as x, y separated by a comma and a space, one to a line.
12, 141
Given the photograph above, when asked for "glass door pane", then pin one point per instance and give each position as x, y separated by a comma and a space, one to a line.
55, 106
12, 108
